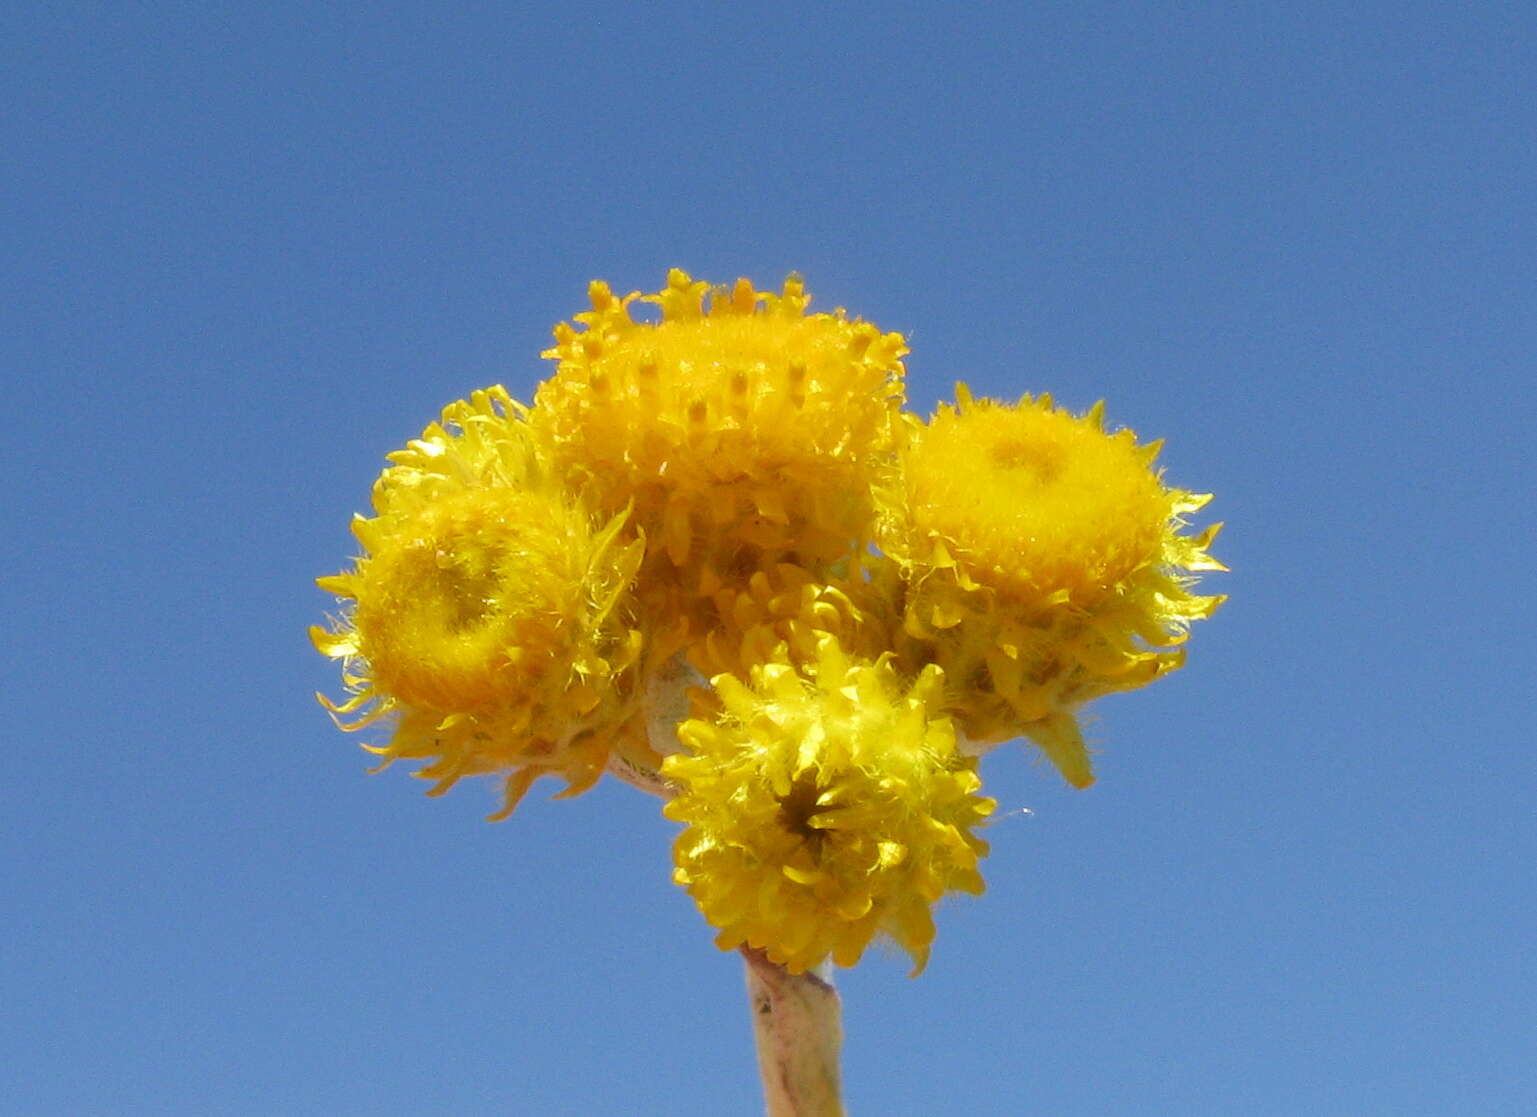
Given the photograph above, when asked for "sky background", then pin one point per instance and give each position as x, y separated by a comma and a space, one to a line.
250, 248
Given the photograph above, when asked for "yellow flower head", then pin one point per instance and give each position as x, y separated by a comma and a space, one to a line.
788, 609
487, 616
1045, 564
742, 430
824, 810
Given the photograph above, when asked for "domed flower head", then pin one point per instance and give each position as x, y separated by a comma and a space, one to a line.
824, 807
487, 617
1045, 565
743, 430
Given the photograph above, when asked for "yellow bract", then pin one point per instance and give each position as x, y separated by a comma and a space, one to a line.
824, 807
788, 607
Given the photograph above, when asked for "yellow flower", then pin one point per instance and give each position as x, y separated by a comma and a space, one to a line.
742, 430
788, 609
1044, 563
824, 810
488, 615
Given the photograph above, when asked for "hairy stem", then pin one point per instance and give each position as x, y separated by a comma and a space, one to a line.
797, 1023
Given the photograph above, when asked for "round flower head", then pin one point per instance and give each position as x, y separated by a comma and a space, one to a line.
487, 615
1045, 565
824, 810
743, 430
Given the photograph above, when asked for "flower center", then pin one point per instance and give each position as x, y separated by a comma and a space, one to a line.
798, 808
1040, 461
463, 605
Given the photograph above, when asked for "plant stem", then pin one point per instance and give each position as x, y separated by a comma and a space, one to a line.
797, 1023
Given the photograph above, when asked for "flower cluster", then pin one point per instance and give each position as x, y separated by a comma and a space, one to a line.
716, 558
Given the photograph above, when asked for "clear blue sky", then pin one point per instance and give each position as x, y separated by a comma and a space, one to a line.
249, 248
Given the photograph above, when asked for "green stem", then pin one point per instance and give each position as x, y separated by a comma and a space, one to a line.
797, 1022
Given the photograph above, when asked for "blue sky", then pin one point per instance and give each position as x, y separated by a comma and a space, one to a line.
253, 247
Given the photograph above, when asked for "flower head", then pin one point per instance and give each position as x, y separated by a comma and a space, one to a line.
743, 430
487, 617
786, 610
823, 807
1045, 562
